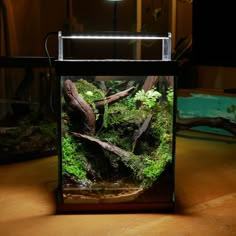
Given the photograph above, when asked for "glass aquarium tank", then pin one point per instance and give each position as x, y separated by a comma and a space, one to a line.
28, 122
116, 130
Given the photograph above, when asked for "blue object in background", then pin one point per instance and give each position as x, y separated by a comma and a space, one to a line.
210, 106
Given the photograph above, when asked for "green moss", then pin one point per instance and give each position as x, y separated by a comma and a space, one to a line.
49, 130
170, 96
23, 133
88, 91
155, 167
162, 123
73, 159
120, 113
120, 122
115, 137
105, 116
148, 166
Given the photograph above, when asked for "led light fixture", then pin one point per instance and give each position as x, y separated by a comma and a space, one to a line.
114, 35
118, 37
165, 38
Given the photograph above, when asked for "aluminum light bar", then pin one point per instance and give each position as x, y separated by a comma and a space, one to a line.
113, 37
165, 38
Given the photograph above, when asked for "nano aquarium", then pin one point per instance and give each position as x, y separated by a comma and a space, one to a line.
116, 131
28, 122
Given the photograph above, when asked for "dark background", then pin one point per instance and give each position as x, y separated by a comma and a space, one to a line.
213, 33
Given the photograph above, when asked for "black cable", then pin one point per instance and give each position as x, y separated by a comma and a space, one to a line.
50, 66
46, 46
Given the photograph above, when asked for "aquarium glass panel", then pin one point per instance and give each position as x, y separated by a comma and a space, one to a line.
117, 142
27, 119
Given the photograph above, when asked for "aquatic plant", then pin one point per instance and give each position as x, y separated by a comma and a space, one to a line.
170, 96
49, 130
130, 142
90, 93
154, 168
73, 159
120, 113
157, 161
105, 116
149, 98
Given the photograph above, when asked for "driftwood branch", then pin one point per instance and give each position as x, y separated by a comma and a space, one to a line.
107, 146
217, 122
109, 90
113, 98
80, 106
150, 82
141, 130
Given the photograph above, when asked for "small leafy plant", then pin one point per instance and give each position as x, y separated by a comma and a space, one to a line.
170, 96
149, 98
